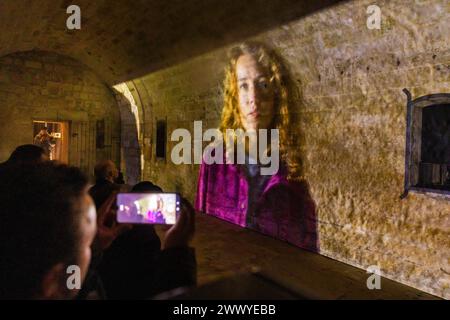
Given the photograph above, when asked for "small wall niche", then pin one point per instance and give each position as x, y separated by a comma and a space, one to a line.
100, 134
161, 139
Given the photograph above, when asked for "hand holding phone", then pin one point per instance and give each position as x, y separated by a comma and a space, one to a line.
148, 208
107, 228
182, 232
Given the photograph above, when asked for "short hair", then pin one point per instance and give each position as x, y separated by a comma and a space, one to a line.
27, 153
39, 224
145, 186
103, 169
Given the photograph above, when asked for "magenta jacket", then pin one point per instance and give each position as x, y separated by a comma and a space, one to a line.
280, 208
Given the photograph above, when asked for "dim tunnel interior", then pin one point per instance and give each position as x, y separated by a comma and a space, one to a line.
138, 70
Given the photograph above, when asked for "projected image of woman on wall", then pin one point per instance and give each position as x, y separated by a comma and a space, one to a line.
259, 95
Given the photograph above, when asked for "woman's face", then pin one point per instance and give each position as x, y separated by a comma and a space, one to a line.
256, 94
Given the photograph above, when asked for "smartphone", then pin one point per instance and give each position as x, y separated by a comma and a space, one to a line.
148, 208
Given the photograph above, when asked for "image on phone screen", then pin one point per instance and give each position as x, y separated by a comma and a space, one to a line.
148, 208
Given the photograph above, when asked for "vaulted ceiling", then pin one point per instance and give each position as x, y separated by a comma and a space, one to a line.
122, 39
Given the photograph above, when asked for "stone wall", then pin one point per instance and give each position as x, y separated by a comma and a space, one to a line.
352, 129
38, 85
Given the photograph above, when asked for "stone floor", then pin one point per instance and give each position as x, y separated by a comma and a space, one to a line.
224, 249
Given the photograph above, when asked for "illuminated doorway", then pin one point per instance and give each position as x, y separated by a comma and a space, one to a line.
57, 144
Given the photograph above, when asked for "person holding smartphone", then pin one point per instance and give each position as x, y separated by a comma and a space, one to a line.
131, 262
29, 229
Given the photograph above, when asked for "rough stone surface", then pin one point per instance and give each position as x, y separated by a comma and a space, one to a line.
39, 85
351, 129
122, 38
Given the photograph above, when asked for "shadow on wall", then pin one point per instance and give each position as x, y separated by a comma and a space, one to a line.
131, 151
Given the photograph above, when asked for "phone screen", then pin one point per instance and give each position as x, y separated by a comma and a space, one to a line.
148, 208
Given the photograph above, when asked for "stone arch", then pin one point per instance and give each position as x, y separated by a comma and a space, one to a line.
43, 85
131, 114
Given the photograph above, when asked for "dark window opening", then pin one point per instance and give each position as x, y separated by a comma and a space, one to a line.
435, 148
161, 129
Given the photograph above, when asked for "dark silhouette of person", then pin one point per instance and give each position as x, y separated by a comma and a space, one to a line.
40, 237
28, 154
105, 173
136, 267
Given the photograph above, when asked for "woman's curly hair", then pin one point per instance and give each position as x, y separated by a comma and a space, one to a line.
286, 96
